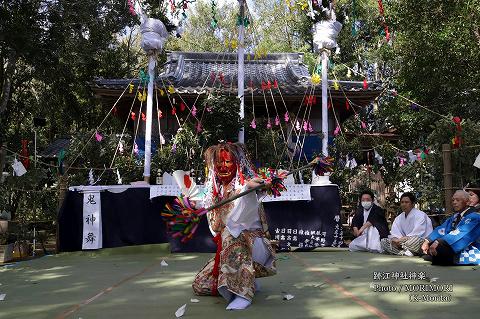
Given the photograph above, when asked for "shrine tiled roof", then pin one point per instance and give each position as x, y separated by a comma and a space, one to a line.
196, 73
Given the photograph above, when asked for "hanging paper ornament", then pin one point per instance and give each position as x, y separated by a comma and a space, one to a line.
297, 126
160, 114
275, 84
209, 110
364, 126
234, 44
477, 161
199, 127
378, 158
277, 121
347, 105
382, 21
423, 156
351, 163
316, 79
269, 124
174, 148
25, 159
365, 84
141, 97
98, 137
194, 111
18, 168
264, 86
411, 157
162, 92
182, 106
402, 161
91, 180
253, 124
114, 110
144, 77
144, 117
131, 7
305, 125
336, 86
119, 179
286, 117
120, 147
135, 148
174, 110
171, 89
214, 21
349, 73
60, 158
457, 140
130, 88
133, 116
337, 130
310, 128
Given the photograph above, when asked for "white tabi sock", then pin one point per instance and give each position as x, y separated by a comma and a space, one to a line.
239, 303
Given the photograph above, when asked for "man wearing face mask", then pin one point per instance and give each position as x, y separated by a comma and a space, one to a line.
369, 225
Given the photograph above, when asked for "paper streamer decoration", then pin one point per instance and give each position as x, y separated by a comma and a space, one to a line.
18, 168
477, 161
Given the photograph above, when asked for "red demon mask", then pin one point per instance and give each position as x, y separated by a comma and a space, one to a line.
225, 166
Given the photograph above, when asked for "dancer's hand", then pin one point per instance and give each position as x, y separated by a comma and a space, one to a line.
254, 182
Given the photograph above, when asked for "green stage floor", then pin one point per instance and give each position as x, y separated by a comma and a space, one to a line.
130, 282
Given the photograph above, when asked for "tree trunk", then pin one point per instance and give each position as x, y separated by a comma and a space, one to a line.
7, 84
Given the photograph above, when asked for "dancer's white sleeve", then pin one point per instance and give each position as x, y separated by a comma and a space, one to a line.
244, 215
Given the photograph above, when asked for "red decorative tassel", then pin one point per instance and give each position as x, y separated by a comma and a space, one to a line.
174, 110
347, 105
133, 116
275, 84
25, 160
182, 106
144, 118
365, 84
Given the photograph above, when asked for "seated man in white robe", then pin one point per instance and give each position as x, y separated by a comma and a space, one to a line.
369, 225
409, 229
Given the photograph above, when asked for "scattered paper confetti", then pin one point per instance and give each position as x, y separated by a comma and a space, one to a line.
194, 300
163, 263
180, 311
2, 297
288, 297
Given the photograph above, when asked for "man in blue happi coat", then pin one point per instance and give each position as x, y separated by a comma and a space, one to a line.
457, 240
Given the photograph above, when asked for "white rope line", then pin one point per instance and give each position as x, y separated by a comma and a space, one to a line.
98, 127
